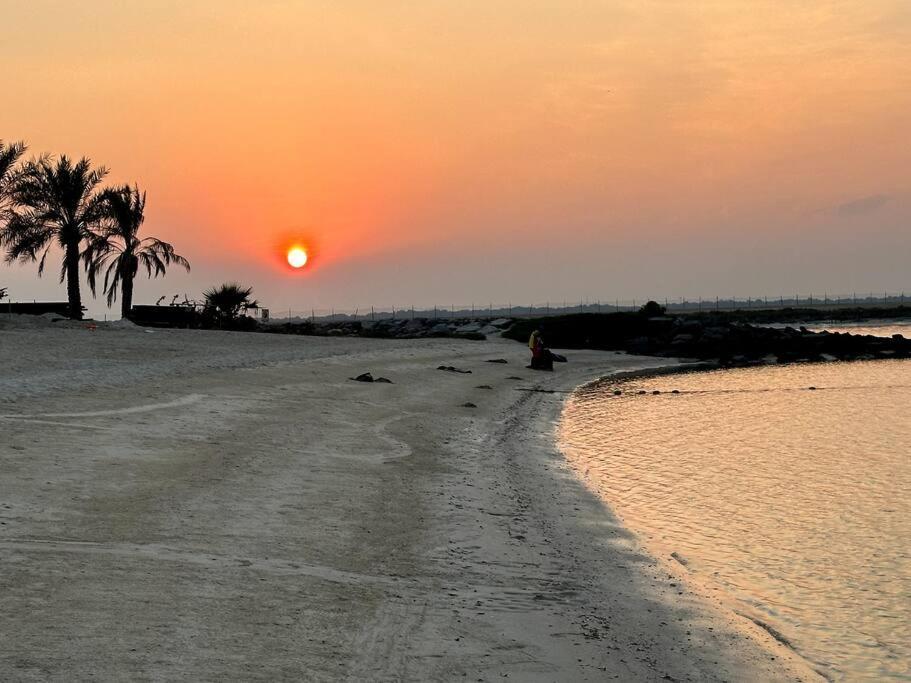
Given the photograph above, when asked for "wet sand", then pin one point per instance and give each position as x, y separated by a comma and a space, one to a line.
211, 506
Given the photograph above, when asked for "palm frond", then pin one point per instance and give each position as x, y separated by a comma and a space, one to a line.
10, 154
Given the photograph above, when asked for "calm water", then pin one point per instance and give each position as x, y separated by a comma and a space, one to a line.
878, 328
796, 503
884, 329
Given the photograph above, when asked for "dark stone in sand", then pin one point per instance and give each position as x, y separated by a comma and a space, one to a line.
366, 377
617, 392
514, 377
675, 391
383, 380
469, 404
450, 368
656, 392
497, 360
483, 386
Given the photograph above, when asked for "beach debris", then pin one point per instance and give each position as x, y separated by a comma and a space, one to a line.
812, 388
450, 368
365, 377
641, 392
617, 392
680, 558
771, 631
514, 377
483, 386
468, 404
496, 360
676, 391
655, 392
383, 380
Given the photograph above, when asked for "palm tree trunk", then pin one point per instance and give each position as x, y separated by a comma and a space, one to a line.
126, 297
72, 281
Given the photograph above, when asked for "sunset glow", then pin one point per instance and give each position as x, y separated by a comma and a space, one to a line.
297, 257
421, 135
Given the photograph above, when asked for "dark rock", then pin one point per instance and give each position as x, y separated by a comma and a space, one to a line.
469, 404
715, 333
638, 344
469, 327
496, 360
365, 377
693, 327
727, 338
450, 368
483, 386
677, 556
383, 380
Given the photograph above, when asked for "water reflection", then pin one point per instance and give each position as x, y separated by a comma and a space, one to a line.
793, 499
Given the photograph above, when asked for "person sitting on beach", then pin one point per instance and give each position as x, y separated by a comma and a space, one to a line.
541, 358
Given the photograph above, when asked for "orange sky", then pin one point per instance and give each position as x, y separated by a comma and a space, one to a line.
453, 150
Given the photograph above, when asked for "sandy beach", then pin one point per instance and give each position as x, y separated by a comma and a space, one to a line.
225, 506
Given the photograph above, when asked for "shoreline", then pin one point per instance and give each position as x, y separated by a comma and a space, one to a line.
751, 623
225, 505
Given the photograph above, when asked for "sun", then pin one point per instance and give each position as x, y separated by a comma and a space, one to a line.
297, 257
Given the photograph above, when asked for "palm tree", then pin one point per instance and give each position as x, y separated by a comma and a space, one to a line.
226, 302
118, 250
9, 157
54, 201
